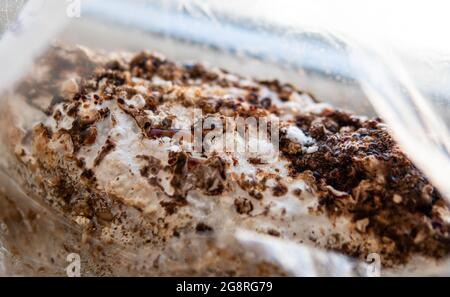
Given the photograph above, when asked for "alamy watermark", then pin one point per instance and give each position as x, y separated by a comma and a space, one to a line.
249, 136
74, 267
373, 268
73, 8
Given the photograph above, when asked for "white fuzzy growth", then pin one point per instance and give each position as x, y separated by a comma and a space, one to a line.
312, 149
298, 136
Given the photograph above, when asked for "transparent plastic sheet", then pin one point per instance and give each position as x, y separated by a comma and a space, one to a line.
291, 56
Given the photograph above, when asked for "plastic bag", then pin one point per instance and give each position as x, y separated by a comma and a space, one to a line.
336, 66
